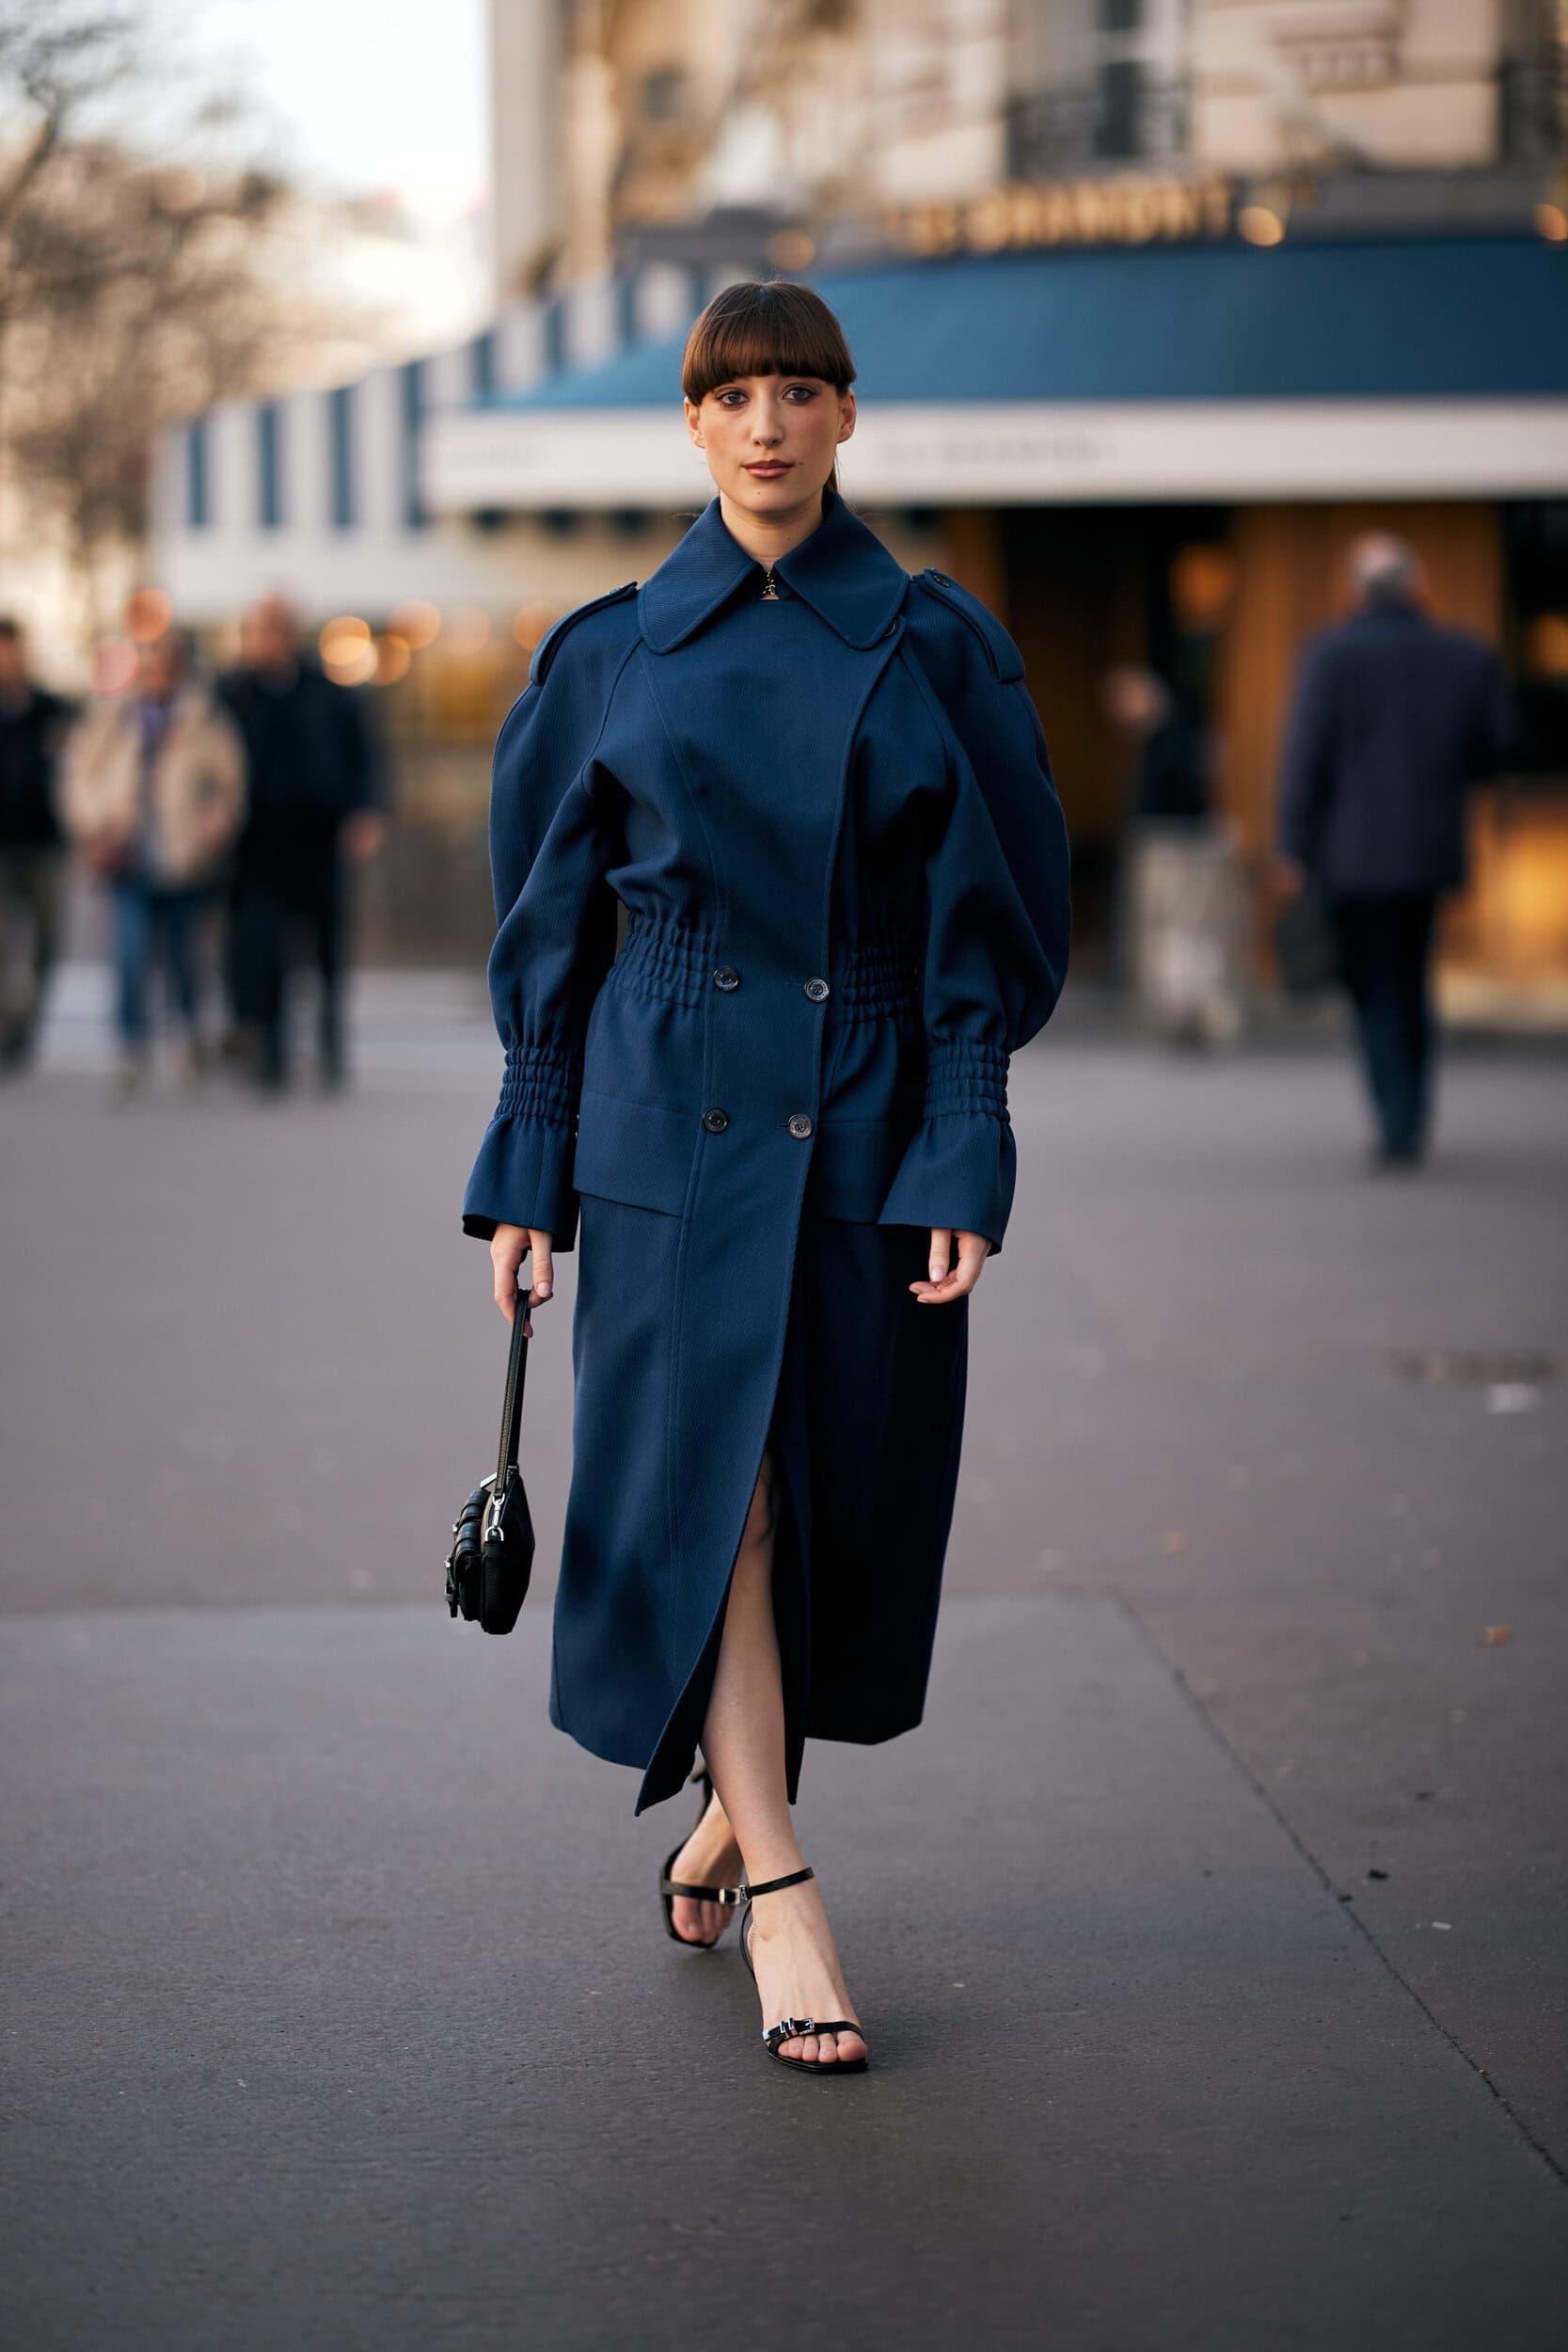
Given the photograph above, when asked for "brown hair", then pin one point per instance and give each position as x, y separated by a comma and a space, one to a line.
766, 326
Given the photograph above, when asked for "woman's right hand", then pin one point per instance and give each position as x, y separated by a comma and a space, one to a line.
510, 1244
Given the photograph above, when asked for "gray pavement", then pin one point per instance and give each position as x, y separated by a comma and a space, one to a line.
339, 2010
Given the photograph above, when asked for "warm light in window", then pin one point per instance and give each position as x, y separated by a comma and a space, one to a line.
343, 640
1546, 646
417, 622
1552, 221
392, 659
1258, 226
469, 626
532, 622
1202, 583
347, 652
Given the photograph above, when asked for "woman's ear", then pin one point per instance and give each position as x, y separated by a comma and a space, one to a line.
694, 423
847, 414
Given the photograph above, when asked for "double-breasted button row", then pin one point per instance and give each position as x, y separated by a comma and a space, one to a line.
726, 977
716, 1121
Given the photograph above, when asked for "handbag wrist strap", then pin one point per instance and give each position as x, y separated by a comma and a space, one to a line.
512, 1407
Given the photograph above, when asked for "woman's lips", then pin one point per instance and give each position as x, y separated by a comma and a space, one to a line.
765, 468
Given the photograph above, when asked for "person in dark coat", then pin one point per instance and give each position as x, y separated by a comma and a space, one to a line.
821, 792
316, 801
33, 725
1394, 719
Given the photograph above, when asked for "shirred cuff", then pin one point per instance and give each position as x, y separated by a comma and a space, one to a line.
963, 1076
540, 1083
523, 1174
961, 1165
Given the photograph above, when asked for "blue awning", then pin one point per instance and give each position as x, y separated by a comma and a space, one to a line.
1414, 368
1446, 318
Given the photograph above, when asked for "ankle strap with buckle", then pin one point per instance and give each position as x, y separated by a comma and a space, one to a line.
772, 1887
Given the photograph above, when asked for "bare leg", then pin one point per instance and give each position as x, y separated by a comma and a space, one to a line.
743, 1740
711, 1856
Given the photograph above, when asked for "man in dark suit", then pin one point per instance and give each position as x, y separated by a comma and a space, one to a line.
1393, 720
316, 805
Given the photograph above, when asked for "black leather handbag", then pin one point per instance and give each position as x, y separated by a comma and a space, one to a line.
492, 1551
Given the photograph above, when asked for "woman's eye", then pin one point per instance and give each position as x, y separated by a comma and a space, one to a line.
807, 391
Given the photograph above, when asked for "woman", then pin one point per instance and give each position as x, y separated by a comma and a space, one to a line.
153, 791
822, 793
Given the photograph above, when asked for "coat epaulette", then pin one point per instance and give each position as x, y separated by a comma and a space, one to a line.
549, 644
1005, 660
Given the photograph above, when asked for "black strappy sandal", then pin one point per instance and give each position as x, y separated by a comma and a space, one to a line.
728, 1897
788, 2027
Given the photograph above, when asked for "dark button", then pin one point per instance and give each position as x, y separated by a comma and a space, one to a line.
817, 990
726, 977
716, 1122
799, 1126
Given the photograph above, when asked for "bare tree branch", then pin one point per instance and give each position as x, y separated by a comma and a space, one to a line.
132, 291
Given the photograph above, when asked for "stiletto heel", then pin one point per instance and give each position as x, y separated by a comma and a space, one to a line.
788, 2027
669, 1889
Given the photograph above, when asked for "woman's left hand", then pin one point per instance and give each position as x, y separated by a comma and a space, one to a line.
949, 1281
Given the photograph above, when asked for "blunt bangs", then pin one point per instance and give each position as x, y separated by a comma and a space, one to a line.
773, 329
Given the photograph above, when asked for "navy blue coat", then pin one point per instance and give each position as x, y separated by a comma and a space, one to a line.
831, 820
1393, 720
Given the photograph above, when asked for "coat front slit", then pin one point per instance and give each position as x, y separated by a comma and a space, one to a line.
832, 822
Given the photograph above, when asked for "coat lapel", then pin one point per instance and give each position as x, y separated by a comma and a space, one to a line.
842, 570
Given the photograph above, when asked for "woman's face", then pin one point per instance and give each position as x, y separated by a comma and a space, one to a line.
770, 441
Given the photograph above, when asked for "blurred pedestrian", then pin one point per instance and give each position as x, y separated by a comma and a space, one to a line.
1170, 781
1394, 719
1178, 904
153, 790
33, 725
316, 792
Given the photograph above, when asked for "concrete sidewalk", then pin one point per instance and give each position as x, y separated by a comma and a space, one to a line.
1257, 1568
341, 2017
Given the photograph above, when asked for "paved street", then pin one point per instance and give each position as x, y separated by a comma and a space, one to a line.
1210, 1934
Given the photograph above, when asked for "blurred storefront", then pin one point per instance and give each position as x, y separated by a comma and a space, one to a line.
1160, 460
1146, 334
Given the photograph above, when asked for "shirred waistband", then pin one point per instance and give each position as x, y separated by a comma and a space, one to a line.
675, 961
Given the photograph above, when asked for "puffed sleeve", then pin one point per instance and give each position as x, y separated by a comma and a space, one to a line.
997, 926
551, 841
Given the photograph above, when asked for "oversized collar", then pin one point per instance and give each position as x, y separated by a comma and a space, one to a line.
843, 571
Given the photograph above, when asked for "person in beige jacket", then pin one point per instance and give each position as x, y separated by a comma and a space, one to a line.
154, 792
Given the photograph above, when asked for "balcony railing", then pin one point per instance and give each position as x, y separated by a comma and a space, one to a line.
1126, 115
1532, 110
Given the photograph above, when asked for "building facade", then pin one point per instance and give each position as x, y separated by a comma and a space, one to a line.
1155, 304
